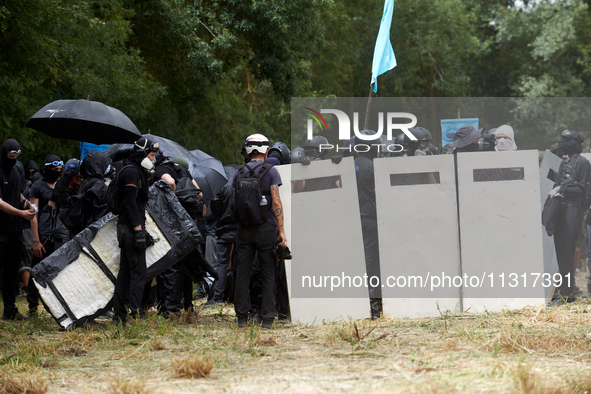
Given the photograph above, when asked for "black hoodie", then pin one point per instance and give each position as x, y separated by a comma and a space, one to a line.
10, 186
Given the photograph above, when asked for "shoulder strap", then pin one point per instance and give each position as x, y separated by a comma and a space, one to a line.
265, 168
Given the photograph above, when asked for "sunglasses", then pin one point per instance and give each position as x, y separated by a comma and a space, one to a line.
55, 163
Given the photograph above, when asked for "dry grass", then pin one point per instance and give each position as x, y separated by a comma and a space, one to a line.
531, 350
192, 367
22, 384
128, 386
269, 341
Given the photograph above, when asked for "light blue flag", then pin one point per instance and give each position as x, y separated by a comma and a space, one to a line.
383, 54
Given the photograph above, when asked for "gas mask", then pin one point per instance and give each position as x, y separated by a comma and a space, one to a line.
148, 164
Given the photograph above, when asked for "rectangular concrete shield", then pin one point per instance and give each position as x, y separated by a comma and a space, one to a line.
418, 234
500, 230
327, 269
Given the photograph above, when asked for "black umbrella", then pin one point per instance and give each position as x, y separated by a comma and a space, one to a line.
84, 120
200, 155
209, 174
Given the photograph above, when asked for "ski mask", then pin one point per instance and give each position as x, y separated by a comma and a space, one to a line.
570, 143
7, 147
51, 162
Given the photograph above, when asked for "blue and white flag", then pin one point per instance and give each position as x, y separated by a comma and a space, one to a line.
383, 54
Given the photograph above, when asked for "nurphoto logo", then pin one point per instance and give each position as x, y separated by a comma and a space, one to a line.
391, 120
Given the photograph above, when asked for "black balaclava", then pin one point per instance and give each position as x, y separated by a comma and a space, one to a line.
30, 165
570, 143
7, 146
49, 175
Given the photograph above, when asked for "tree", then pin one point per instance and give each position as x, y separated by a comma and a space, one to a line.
60, 49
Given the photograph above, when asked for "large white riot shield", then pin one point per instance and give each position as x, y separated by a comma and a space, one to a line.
418, 234
548, 171
500, 230
327, 269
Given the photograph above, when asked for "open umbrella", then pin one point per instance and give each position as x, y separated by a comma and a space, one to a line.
200, 155
209, 173
84, 120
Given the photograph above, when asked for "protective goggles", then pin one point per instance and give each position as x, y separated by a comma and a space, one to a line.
154, 147
256, 143
15, 152
55, 163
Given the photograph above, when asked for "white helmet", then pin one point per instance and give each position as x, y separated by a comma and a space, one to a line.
256, 142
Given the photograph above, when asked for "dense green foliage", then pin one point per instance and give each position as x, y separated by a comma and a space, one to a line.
208, 73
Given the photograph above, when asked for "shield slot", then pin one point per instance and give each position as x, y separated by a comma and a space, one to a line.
498, 174
417, 178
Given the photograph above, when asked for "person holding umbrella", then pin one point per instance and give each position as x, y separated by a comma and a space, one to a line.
13, 207
132, 188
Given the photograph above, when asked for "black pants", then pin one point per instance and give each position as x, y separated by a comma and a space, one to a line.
224, 248
170, 290
132, 276
256, 239
565, 239
10, 255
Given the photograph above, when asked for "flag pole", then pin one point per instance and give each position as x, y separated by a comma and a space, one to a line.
366, 125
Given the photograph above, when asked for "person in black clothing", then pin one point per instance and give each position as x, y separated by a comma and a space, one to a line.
222, 208
259, 238
174, 285
32, 171
369, 221
12, 209
132, 186
94, 168
572, 183
45, 240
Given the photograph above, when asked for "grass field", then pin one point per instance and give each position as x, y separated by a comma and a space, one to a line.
532, 350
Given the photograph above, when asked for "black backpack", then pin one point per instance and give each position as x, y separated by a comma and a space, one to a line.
186, 192
248, 210
113, 201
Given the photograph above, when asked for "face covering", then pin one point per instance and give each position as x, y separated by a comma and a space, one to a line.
51, 176
147, 164
504, 144
7, 146
569, 146
469, 148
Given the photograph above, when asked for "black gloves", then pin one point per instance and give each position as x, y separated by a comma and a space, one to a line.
143, 239
336, 159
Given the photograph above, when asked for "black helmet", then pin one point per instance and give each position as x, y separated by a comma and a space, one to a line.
423, 137
399, 140
281, 152
312, 148
297, 155
487, 142
421, 133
